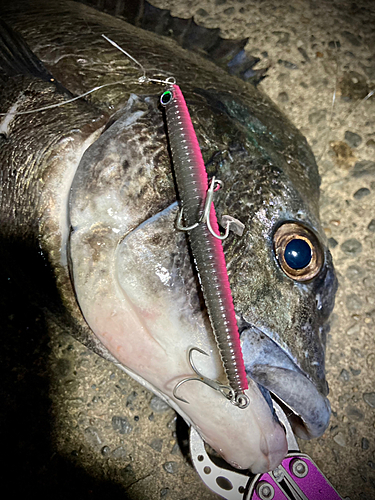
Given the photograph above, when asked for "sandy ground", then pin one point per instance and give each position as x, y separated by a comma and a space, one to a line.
86, 430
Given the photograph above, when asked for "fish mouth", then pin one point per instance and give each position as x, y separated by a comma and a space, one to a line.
273, 369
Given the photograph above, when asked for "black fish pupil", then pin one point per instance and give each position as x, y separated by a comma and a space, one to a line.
297, 254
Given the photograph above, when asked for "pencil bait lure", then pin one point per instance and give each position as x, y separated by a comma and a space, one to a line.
204, 236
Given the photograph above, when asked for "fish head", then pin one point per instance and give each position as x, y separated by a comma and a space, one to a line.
272, 186
137, 289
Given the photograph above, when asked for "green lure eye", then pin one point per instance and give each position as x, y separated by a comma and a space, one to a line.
166, 98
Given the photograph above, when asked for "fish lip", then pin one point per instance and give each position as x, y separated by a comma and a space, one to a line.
287, 383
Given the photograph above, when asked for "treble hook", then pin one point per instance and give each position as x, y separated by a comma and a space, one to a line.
240, 400
230, 223
215, 185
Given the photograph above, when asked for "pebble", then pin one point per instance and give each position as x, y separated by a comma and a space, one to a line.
355, 372
119, 453
357, 352
176, 450
172, 423
157, 444
158, 405
63, 367
304, 54
351, 247
340, 439
334, 44
132, 396
353, 302
202, 13
164, 492
354, 413
353, 39
353, 86
365, 444
344, 375
332, 243
356, 328
92, 435
370, 143
105, 450
371, 226
344, 398
352, 430
369, 398
317, 116
128, 474
364, 167
354, 140
354, 272
283, 97
229, 11
170, 467
287, 64
122, 425
361, 193
283, 37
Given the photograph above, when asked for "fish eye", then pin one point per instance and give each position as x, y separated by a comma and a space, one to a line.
298, 251
166, 98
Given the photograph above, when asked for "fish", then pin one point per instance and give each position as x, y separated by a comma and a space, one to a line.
88, 211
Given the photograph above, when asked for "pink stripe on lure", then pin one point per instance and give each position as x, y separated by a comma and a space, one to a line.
192, 183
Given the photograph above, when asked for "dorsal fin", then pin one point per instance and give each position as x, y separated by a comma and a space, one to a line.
228, 54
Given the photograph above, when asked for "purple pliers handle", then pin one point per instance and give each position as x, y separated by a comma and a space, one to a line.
296, 478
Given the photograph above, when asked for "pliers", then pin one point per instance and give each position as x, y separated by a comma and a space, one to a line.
296, 478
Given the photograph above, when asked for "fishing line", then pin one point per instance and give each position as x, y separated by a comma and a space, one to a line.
354, 107
57, 105
126, 53
350, 111
142, 79
332, 105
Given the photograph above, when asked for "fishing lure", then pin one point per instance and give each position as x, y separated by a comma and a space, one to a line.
200, 217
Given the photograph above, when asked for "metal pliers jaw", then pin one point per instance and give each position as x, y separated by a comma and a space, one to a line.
296, 478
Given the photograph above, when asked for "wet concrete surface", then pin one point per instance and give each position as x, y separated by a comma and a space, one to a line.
75, 426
